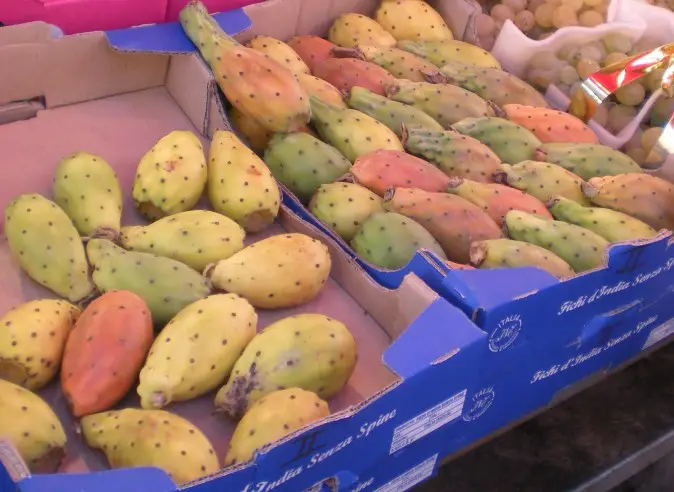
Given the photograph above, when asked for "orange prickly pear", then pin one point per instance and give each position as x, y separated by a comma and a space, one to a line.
312, 49
550, 125
346, 73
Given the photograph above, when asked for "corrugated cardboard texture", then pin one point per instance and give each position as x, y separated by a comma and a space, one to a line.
31, 32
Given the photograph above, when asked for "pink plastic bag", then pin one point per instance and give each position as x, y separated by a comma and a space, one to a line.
173, 7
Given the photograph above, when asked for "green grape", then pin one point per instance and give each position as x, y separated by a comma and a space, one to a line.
590, 52
525, 21
564, 16
587, 67
590, 18
613, 58
617, 42
650, 137
637, 154
601, 115
662, 111
543, 15
568, 75
515, 5
620, 116
631, 94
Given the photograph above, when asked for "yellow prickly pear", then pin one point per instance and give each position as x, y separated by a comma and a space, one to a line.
440, 53
196, 351
271, 418
171, 176
47, 246
256, 135
32, 338
280, 52
351, 30
321, 89
135, 438
32, 427
412, 19
308, 351
251, 81
195, 238
87, 189
240, 184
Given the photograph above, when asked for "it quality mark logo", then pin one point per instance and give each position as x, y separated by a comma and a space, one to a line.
481, 401
506, 333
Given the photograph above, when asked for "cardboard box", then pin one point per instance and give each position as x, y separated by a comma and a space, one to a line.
116, 95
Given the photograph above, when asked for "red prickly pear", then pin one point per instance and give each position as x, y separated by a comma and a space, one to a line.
550, 125
312, 49
345, 73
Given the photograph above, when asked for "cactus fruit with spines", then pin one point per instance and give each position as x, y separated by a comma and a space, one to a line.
47, 246
196, 351
412, 19
542, 180
311, 49
133, 437
279, 52
251, 81
87, 189
32, 338
587, 160
171, 176
256, 135
550, 125
271, 418
352, 29
397, 62
440, 53
277, 272
105, 352
321, 89
346, 73
240, 185
166, 285
390, 241
309, 351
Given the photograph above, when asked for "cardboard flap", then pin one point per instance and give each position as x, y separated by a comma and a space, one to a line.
12, 462
601, 327
126, 479
30, 32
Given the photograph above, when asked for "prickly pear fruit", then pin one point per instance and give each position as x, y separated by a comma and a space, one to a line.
393, 114
86, 188
345, 73
351, 132
542, 180
134, 438
390, 241
279, 52
454, 154
399, 63
312, 49
490, 84
32, 338
271, 418
412, 19
550, 125
240, 185
256, 135
308, 351
251, 81
196, 351
105, 352
440, 53
32, 427
351, 30
511, 142
458, 266
321, 89
164, 284
581, 248
645, 197
344, 207
171, 176
587, 160
454, 222
611, 225
47, 246
507, 253
383, 169
496, 199
303, 163
195, 238
278, 272
447, 104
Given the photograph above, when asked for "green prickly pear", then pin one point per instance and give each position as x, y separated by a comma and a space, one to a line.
611, 225
277, 272
86, 188
32, 427
389, 240
393, 114
507, 253
581, 248
542, 180
47, 246
166, 285
32, 339
511, 142
308, 351
587, 160
271, 418
440, 53
412, 19
280, 52
240, 185
171, 176
352, 29
351, 132
399, 63
195, 238
196, 351
136, 438
303, 163
344, 207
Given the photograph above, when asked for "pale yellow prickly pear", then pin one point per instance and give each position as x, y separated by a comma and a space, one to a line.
322, 89
278, 272
32, 338
240, 184
412, 19
135, 438
269, 419
280, 52
196, 351
352, 29
32, 427
308, 351
171, 176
